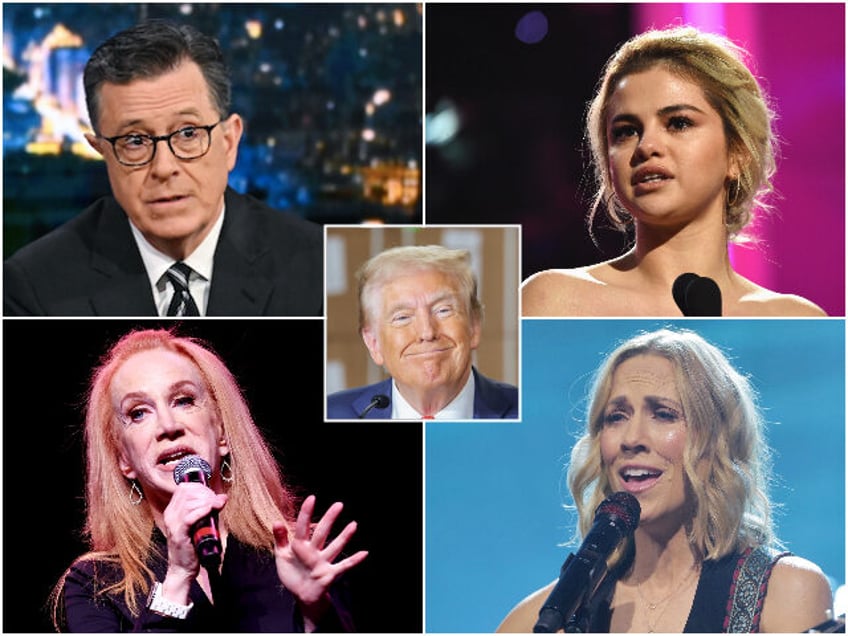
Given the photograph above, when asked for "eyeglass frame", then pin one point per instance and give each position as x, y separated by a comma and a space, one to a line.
156, 139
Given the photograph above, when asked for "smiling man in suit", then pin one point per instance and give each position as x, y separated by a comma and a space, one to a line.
173, 239
421, 319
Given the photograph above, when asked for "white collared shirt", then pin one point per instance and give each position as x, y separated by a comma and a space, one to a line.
460, 408
201, 260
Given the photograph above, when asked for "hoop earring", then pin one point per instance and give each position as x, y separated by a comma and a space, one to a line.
135, 494
733, 191
226, 471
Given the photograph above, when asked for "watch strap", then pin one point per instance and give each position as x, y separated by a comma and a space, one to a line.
156, 603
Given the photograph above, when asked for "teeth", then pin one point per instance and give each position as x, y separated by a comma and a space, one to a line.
167, 459
653, 177
639, 473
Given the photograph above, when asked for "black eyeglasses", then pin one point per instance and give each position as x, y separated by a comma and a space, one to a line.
189, 142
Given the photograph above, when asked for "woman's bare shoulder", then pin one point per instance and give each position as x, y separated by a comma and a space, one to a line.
759, 301
522, 618
798, 597
561, 292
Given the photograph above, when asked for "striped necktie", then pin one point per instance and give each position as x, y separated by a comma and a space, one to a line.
182, 304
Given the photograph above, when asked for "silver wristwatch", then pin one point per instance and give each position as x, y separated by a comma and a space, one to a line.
161, 606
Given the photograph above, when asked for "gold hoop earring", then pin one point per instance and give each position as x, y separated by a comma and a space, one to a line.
135, 494
733, 191
226, 471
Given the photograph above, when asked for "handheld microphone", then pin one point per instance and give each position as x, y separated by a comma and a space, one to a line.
615, 519
377, 402
697, 295
204, 532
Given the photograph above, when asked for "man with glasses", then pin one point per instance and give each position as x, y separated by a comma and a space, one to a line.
174, 239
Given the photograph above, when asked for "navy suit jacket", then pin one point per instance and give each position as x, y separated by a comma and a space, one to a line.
267, 263
493, 400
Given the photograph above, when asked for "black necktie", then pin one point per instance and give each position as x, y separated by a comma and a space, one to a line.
182, 304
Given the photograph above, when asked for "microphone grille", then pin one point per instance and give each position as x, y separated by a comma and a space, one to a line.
189, 463
381, 401
621, 507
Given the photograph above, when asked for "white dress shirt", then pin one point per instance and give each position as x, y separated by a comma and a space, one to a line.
201, 260
460, 408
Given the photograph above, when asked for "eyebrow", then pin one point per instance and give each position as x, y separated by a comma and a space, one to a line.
655, 400
652, 400
662, 112
430, 302
174, 388
140, 122
618, 402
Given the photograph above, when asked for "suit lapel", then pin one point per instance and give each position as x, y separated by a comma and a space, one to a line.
126, 288
238, 285
129, 296
488, 401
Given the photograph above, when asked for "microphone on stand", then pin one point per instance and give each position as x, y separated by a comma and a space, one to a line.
696, 295
615, 519
377, 402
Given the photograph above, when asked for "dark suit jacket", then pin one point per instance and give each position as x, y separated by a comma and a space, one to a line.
493, 400
267, 263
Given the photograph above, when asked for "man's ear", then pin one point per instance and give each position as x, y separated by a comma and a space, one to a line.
94, 142
372, 343
476, 331
233, 129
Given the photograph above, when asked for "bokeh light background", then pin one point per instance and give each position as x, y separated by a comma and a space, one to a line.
330, 94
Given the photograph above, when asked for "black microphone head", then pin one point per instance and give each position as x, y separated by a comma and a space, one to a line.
703, 297
377, 402
678, 290
191, 463
620, 509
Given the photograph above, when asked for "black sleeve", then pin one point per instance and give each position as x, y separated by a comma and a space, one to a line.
338, 619
86, 610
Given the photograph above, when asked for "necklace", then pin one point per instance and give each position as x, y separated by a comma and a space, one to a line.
653, 605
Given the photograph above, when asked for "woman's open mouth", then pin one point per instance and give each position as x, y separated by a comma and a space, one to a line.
636, 479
